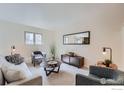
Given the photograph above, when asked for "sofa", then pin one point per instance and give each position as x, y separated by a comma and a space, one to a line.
11, 74
101, 76
35, 80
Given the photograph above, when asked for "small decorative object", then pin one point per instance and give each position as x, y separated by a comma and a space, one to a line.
113, 66
71, 54
101, 64
107, 62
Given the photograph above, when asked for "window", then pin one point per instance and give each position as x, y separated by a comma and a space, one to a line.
29, 38
38, 39
33, 38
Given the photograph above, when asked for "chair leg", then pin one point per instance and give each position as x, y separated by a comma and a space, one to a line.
34, 64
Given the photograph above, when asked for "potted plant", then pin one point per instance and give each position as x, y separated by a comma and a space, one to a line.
107, 62
53, 52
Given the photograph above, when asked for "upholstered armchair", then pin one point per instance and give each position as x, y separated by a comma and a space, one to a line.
37, 57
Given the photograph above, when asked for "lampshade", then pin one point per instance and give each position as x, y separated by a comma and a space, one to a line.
104, 51
13, 48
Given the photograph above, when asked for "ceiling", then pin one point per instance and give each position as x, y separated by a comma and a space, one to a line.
54, 16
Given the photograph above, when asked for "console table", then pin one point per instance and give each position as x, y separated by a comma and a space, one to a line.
77, 61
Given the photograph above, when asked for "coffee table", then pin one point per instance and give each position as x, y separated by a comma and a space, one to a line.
52, 66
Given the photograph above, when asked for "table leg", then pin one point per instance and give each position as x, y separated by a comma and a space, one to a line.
48, 72
57, 70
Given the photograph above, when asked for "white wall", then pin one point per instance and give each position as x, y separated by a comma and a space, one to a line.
13, 34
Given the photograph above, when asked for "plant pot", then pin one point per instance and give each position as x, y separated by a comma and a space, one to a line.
107, 64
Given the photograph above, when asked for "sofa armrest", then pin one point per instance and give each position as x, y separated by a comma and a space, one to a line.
86, 80
37, 80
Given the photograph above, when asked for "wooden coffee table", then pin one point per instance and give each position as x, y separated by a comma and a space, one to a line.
52, 66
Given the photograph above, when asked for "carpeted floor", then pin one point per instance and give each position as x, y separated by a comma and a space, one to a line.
66, 75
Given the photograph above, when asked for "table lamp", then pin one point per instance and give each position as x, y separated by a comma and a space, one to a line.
104, 52
12, 49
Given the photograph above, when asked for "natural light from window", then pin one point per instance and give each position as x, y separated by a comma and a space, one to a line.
33, 38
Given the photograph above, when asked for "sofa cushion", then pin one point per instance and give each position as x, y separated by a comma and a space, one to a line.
12, 74
86, 80
15, 72
103, 72
2, 81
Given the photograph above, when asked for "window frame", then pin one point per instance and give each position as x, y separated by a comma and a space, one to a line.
34, 38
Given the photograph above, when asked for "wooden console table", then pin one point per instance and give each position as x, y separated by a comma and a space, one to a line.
77, 61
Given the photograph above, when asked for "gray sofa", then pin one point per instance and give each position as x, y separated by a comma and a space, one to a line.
101, 76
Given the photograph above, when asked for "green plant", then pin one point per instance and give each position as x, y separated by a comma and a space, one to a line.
53, 51
108, 62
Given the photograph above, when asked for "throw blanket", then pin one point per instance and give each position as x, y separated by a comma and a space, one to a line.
15, 59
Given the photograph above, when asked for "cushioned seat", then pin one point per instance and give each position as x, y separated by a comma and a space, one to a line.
37, 57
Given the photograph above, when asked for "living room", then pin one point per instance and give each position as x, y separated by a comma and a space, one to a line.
54, 21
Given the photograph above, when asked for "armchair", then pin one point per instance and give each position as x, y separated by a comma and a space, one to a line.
37, 57
101, 76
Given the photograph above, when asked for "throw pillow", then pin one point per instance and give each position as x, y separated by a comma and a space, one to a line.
15, 59
103, 72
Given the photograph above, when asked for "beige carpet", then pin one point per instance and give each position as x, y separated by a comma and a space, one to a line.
66, 76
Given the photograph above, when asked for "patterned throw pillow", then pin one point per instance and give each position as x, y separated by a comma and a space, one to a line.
8, 58
103, 72
15, 59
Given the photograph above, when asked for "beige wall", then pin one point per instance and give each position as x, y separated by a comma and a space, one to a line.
122, 52
13, 34
105, 24
102, 35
